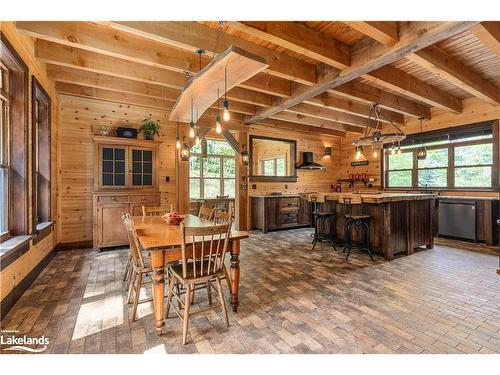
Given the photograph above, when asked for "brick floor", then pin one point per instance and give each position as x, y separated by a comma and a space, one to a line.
292, 300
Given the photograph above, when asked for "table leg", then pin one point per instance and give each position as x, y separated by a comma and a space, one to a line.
235, 274
158, 285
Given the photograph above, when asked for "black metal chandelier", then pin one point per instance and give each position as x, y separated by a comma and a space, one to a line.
375, 137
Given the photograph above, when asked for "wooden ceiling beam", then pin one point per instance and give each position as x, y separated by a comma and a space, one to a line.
298, 38
285, 125
318, 122
489, 34
449, 68
109, 42
60, 55
414, 88
346, 105
366, 57
192, 35
102, 81
385, 32
331, 115
388, 76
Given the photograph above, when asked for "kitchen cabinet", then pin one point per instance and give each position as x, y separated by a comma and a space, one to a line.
125, 179
273, 212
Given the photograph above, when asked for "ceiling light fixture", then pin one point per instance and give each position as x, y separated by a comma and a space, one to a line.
374, 137
225, 104
421, 151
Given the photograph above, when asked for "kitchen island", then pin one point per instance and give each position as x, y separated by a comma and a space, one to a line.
399, 223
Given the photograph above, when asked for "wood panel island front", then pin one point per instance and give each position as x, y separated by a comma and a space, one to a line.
399, 222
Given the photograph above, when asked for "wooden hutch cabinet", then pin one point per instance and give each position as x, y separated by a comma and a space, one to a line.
125, 179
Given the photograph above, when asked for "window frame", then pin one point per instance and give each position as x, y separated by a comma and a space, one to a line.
450, 167
222, 177
275, 166
18, 152
40, 228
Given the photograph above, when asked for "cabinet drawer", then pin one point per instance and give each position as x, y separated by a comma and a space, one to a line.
289, 202
145, 199
113, 199
289, 218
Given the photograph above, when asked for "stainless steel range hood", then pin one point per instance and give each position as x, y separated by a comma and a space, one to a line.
308, 163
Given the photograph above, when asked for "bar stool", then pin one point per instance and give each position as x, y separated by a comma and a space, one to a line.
321, 219
355, 220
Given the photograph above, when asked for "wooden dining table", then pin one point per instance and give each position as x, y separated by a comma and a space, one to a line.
163, 242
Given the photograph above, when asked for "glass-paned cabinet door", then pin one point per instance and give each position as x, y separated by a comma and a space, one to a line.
113, 169
142, 167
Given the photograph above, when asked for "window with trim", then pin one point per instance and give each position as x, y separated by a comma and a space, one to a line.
14, 142
460, 158
273, 167
213, 175
41, 155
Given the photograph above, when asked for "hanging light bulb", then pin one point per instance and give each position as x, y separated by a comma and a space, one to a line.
375, 153
197, 139
218, 127
226, 116
399, 148
225, 104
191, 130
393, 150
177, 139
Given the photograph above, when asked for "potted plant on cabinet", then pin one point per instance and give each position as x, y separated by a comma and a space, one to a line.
149, 128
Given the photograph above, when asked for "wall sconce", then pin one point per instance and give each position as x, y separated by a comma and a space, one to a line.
328, 151
245, 158
185, 151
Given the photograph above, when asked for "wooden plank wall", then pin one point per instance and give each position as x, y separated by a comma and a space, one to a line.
11, 276
474, 111
81, 119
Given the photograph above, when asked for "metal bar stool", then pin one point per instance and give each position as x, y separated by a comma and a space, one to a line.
322, 219
355, 220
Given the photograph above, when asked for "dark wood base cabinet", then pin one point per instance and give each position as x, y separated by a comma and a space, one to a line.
280, 212
109, 229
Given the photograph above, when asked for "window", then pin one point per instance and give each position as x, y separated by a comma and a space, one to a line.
214, 174
273, 167
459, 158
4, 150
14, 142
41, 155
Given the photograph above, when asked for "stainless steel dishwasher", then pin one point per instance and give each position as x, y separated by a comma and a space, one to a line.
457, 218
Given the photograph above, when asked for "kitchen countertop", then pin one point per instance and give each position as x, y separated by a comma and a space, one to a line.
275, 196
379, 197
471, 198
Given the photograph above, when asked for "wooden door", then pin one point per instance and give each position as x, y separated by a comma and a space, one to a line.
110, 225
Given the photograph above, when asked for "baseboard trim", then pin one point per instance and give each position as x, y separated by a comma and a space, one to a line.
10, 300
74, 245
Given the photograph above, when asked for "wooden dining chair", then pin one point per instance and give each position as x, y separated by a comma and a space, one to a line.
140, 266
203, 251
206, 212
153, 211
220, 218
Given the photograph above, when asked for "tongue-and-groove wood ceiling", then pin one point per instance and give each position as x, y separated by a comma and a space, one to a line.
322, 75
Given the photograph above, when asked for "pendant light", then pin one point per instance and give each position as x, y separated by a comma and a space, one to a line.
191, 123
225, 104
185, 151
359, 152
218, 127
421, 151
177, 139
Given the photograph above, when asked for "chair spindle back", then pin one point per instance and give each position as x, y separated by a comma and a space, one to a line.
135, 247
206, 212
205, 247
